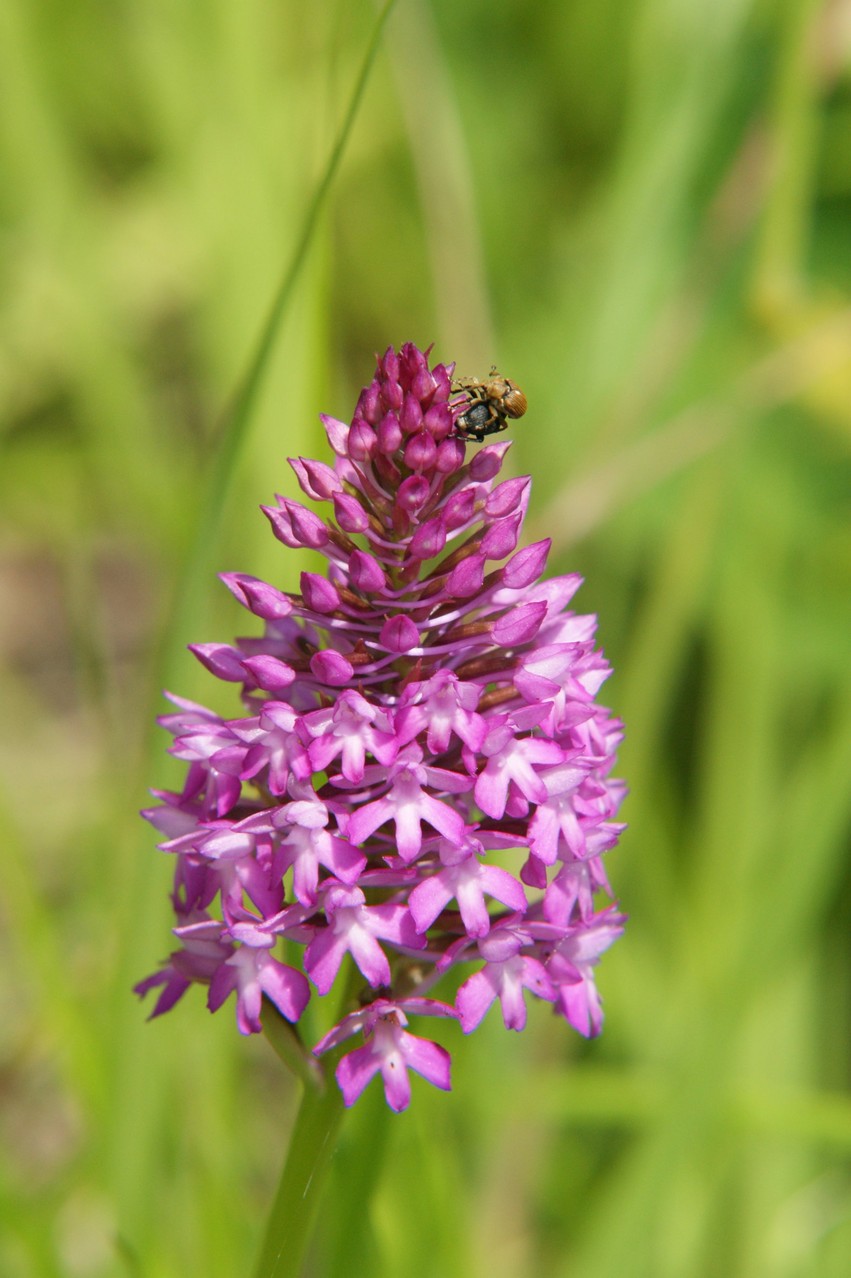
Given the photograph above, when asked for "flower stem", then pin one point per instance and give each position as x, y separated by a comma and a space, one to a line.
312, 1144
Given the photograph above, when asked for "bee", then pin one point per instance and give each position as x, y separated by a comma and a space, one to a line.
489, 405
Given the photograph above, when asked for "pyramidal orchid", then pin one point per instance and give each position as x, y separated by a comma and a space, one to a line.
419, 781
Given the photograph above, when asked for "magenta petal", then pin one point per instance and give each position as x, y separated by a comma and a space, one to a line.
487, 462
269, 673
491, 792
409, 837
467, 579
345, 861
350, 514
397, 1086
474, 998
366, 572
507, 496
526, 566
420, 451
429, 1060
428, 540
399, 634
370, 958
222, 660
513, 1005
519, 626
174, 987
286, 988
354, 1072
296, 526
262, 599
316, 479
318, 593
362, 441
222, 984
427, 900
331, 668
367, 819
337, 432
501, 537
323, 957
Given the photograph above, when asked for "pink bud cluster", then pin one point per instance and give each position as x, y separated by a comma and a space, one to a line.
420, 780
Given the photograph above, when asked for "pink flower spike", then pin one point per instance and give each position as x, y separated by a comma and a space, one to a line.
417, 773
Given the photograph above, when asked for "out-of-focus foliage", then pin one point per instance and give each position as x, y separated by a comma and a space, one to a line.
640, 210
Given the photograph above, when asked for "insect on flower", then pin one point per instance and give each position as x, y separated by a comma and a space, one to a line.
490, 404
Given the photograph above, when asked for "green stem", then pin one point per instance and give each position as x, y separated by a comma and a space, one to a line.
312, 1144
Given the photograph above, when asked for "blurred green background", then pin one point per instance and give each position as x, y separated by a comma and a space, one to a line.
640, 210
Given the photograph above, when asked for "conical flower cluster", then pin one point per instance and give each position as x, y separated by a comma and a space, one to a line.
420, 778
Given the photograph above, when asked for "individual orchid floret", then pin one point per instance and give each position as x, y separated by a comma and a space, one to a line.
508, 971
409, 802
201, 955
354, 927
469, 880
571, 969
304, 842
390, 1050
417, 786
441, 706
253, 972
352, 728
513, 760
